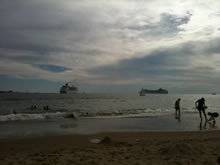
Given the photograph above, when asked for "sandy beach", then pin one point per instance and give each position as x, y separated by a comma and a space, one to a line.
135, 148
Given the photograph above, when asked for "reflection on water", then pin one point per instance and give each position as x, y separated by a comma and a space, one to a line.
207, 125
68, 125
188, 122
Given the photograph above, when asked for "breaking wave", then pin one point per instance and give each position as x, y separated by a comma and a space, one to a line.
126, 113
36, 116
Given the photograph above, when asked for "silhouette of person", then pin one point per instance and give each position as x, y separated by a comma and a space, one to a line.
212, 116
211, 125
46, 107
177, 107
200, 105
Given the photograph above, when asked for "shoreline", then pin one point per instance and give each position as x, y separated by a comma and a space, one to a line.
87, 126
196, 147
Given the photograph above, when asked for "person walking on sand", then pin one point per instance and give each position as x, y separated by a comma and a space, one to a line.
177, 107
200, 105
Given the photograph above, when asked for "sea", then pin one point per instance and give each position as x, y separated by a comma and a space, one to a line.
44, 114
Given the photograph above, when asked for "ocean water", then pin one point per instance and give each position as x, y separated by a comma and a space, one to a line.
90, 113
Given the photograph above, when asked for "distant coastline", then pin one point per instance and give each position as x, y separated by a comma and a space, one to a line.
9, 91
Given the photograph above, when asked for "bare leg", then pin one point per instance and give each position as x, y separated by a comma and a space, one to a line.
200, 125
200, 114
177, 113
205, 115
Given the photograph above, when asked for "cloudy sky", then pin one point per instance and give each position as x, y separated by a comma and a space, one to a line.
110, 46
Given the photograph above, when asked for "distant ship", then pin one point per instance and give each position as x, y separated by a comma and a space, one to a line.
67, 89
143, 91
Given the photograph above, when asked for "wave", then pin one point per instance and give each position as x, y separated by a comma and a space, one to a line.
79, 114
37, 116
114, 116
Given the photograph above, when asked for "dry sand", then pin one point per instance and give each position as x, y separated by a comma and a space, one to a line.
156, 148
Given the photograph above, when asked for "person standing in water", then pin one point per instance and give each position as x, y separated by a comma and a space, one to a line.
177, 107
200, 105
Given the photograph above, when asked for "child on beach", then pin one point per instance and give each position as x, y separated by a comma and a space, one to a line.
213, 116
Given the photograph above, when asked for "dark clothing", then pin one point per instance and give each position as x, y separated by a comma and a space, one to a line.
201, 104
177, 105
213, 115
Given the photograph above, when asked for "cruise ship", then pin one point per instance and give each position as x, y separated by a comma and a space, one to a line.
143, 91
67, 89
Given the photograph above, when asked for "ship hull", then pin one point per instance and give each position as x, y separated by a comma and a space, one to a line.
147, 91
155, 92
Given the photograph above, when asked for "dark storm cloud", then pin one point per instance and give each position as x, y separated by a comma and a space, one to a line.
43, 28
26, 26
172, 62
24, 58
167, 26
38, 48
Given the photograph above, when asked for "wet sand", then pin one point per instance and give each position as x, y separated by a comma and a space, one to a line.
57, 127
135, 148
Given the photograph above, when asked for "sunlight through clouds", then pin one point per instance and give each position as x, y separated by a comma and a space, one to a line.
111, 42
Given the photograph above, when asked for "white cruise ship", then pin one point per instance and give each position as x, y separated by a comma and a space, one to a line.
67, 89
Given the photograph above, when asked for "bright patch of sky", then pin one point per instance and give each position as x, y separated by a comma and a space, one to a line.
52, 68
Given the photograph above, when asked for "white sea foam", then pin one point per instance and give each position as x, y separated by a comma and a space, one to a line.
140, 115
13, 117
18, 106
37, 116
60, 115
124, 113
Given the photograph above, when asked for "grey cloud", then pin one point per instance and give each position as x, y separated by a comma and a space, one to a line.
160, 65
34, 24
35, 46
47, 28
157, 61
167, 26
213, 47
48, 32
